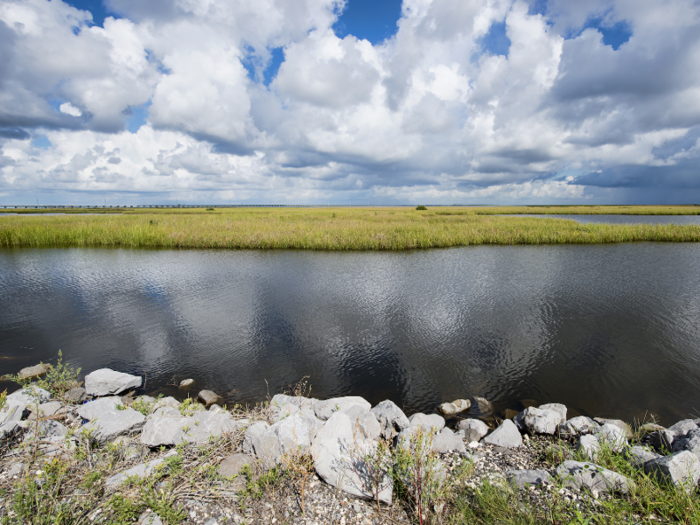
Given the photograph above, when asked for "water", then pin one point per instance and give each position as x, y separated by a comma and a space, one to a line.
609, 330
622, 219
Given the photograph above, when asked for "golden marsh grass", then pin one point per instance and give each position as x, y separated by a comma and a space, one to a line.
319, 229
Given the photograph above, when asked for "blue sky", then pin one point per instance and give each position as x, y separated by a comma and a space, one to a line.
333, 101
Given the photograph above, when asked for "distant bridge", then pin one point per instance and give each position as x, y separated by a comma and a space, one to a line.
119, 207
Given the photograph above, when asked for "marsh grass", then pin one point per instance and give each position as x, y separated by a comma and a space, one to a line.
321, 229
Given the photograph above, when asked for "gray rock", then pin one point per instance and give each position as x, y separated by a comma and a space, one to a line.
340, 460
391, 419
32, 372
266, 448
31, 394
690, 442
293, 434
98, 407
682, 469
50, 408
167, 402
578, 426
9, 429
474, 429
263, 441
590, 446
506, 436
186, 383
626, 429
207, 397
253, 432
578, 475
662, 440
208, 425
682, 428
300, 402
364, 423
638, 456
107, 382
455, 407
44, 430
483, 405
16, 469
216, 409
541, 420
106, 421
76, 395
523, 478
167, 430
139, 471
428, 422
325, 409
612, 436
12, 412
166, 412
232, 465
557, 407
149, 518
648, 428
447, 441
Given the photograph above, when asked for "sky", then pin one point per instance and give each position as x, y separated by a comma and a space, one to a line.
349, 102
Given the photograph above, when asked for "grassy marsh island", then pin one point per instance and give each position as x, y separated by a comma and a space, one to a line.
337, 228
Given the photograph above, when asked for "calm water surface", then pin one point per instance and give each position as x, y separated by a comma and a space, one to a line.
610, 330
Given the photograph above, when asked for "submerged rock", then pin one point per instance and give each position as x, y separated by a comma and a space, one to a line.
186, 383
107, 382
32, 372
455, 407
207, 397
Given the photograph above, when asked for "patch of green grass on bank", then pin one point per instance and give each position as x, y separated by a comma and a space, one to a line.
319, 229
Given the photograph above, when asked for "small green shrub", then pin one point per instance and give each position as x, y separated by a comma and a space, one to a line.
58, 380
421, 208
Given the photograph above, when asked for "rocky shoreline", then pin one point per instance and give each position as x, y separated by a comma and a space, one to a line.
105, 455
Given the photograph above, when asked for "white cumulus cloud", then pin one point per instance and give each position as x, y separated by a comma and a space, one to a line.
580, 101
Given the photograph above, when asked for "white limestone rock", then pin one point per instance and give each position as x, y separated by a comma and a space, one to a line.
391, 418
474, 429
579, 475
507, 436
108, 419
325, 409
339, 459
107, 382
